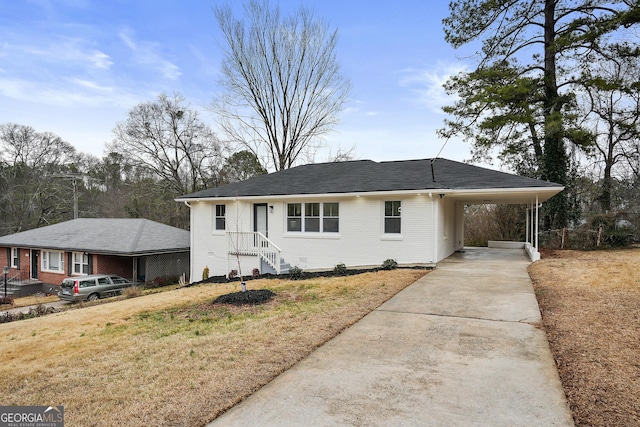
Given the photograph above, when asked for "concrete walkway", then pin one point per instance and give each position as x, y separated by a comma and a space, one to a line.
459, 347
27, 308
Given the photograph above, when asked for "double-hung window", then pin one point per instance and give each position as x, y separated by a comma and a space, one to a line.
220, 217
53, 261
392, 217
294, 217
330, 220
15, 257
80, 263
313, 217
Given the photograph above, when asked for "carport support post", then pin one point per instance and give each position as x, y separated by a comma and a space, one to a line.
5, 270
134, 268
537, 221
526, 221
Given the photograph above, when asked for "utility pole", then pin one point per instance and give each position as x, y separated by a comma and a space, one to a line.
74, 178
75, 198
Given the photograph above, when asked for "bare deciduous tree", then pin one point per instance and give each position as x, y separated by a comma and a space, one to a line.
284, 88
167, 138
612, 101
30, 196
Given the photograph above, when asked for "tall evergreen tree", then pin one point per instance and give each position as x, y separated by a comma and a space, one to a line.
521, 98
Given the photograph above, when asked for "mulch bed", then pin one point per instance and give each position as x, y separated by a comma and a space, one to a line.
251, 297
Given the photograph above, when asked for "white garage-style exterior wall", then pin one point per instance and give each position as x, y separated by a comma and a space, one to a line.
432, 193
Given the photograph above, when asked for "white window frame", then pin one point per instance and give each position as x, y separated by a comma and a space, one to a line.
216, 217
297, 216
320, 217
392, 216
45, 263
15, 261
84, 262
312, 217
324, 218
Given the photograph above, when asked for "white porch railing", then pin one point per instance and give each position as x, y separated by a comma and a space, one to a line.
254, 243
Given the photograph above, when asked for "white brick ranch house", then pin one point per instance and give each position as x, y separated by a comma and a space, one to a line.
359, 213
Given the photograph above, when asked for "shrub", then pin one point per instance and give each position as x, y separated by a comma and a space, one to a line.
131, 292
205, 273
295, 273
340, 270
233, 274
6, 300
255, 273
619, 238
161, 281
390, 264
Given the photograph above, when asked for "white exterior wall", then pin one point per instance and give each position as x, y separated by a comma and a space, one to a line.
446, 237
459, 211
360, 242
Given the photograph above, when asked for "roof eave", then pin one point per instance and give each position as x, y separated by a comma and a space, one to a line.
543, 192
506, 195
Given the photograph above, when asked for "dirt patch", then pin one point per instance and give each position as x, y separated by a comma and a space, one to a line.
590, 309
251, 297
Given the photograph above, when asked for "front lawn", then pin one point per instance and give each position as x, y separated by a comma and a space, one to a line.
174, 358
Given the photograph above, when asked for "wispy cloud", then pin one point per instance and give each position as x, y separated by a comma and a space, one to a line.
100, 59
58, 50
67, 92
146, 53
357, 108
60, 70
92, 85
427, 84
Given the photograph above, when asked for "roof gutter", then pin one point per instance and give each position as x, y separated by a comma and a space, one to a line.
382, 193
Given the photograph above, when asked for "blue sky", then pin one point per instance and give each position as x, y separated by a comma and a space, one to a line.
76, 67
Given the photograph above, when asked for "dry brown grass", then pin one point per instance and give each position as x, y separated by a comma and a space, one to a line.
173, 358
590, 308
30, 300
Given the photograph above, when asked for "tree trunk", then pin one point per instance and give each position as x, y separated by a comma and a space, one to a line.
607, 183
555, 156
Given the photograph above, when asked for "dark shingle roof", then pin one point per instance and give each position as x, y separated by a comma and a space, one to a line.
369, 176
118, 236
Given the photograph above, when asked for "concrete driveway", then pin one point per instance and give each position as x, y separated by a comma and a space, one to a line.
459, 347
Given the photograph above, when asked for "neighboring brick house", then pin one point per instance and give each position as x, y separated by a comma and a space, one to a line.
135, 248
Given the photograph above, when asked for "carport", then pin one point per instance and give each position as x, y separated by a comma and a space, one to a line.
533, 198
